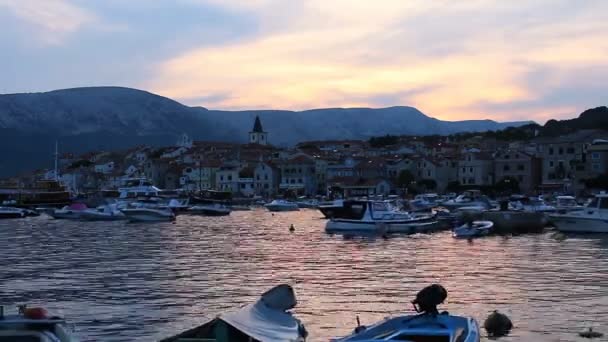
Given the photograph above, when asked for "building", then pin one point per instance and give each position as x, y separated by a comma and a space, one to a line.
257, 135
298, 175
442, 170
227, 179
516, 164
476, 168
266, 179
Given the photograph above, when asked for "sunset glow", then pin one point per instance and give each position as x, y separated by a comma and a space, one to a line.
477, 59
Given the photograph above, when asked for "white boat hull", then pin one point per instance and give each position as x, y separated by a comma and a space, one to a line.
100, 216
478, 229
148, 216
569, 224
382, 226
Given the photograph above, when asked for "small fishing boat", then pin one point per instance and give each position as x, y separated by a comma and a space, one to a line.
473, 229
71, 212
149, 214
11, 212
103, 213
210, 210
379, 217
428, 325
34, 324
282, 205
267, 320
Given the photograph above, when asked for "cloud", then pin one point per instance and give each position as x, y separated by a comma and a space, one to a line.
49, 20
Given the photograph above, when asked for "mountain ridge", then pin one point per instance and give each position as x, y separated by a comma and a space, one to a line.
32, 121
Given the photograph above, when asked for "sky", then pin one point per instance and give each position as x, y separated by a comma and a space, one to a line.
453, 60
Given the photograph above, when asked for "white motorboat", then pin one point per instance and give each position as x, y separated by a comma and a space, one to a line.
137, 187
592, 219
470, 198
103, 213
424, 202
566, 204
34, 324
473, 229
282, 205
427, 326
531, 204
266, 320
379, 217
149, 214
11, 212
307, 203
209, 210
71, 212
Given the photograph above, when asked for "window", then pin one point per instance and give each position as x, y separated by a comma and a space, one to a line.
266, 186
595, 155
595, 167
464, 170
471, 170
551, 164
550, 150
471, 180
257, 177
266, 177
243, 186
229, 177
520, 178
603, 204
464, 181
507, 156
561, 150
570, 150
292, 181
221, 178
428, 173
551, 176
506, 168
521, 167
300, 180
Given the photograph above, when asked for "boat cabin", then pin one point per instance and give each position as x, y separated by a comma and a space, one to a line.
599, 202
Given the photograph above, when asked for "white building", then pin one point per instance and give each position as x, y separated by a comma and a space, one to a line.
258, 136
105, 168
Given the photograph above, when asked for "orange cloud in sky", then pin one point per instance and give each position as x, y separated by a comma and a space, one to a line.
350, 53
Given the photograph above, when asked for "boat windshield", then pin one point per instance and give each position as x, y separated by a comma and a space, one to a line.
594, 203
380, 206
567, 202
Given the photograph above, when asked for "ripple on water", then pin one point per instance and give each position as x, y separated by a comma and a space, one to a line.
126, 282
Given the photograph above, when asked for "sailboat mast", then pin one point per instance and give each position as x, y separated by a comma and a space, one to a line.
56, 158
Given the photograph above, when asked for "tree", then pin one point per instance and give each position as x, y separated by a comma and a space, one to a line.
453, 186
428, 184
507, 185
405, 179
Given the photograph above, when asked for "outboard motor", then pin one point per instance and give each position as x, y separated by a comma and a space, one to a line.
428, 298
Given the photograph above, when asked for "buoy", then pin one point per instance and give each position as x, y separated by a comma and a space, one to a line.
498, 324
558, 236
590, 334
292, 228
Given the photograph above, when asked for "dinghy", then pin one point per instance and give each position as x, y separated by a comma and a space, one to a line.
266, 320
473, 229
427, 326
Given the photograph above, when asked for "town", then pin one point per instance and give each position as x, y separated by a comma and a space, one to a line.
381, 166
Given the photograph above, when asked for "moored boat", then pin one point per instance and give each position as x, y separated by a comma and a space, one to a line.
592, 219
470, 198
149, 214
209, 210
379, 217
473, 229
71, 212
103, 213
11, 212
282, 205
266, 320
427, 325
34, 324
566, 204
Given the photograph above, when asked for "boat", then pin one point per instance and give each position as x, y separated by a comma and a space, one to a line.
267, 320
566, 204
70, 212
426, 325
473, 229
592, 219
379, 217
144, 214
41, 193
34, 324
10, 212
282, 205
515, 221
307, 203
209, 210
469, 198
331, 209
424, 202
530, 204
236, 207
103, 213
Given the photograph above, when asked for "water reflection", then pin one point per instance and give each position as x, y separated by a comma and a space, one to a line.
125, 282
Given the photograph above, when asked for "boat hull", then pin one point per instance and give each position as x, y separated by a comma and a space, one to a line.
209, 212
281, 208
579, 225
506, 222
11, 215
406, 227
103, 217
72, 215
148, 216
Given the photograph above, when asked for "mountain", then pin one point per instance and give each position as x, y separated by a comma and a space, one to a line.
595, 118
84, 119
